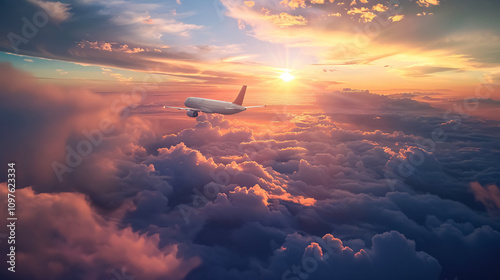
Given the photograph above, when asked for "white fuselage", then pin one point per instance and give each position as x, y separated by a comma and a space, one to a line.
213, 106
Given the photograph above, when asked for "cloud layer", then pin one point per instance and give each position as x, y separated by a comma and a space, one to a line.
357, 189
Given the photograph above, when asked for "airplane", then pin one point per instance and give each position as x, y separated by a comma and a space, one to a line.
204, 105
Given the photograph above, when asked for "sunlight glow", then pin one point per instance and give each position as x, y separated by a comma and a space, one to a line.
286, 77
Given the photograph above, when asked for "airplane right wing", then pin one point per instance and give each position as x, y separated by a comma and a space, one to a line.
258, 106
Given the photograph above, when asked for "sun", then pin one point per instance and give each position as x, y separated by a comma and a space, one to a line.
286, 76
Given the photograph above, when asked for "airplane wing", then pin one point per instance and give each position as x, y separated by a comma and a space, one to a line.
181, 108
204, 110
258, 106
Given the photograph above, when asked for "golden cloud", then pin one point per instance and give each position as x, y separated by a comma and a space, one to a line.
365, 13
294, 3
249, 3
427, 3
284, 19
396, 18
380, 8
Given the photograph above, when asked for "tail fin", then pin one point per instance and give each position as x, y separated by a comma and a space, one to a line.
241, 95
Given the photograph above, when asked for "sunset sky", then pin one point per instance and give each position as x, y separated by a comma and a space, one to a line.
377, 156
448, 47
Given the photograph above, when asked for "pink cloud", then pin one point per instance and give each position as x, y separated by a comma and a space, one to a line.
70, 235
489, 196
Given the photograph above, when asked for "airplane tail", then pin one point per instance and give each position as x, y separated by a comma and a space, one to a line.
241, 95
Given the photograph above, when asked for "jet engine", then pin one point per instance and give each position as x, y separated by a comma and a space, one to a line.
192, 113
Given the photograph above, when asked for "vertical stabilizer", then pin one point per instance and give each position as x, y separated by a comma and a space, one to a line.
241, 95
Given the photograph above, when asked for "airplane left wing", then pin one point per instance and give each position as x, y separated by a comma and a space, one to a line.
204, 110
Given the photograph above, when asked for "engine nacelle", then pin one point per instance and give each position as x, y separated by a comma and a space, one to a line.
192, 113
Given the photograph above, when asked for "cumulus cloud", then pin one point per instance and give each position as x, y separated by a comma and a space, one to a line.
284, 19
328, 168
329, 257
70, 112
380, 8
53, 125
70, 238
294, 3
364, 12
